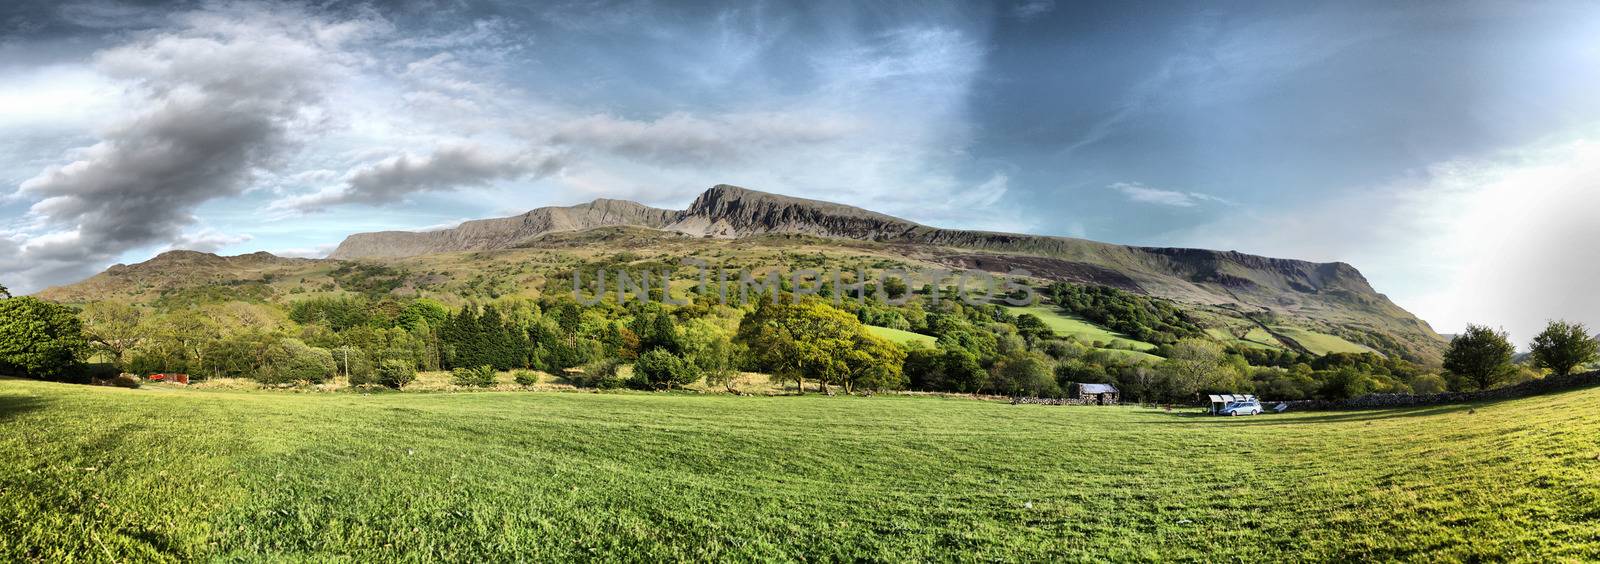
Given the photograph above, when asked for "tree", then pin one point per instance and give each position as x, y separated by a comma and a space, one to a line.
422, 312
1193, 365
710, 349
291, 360
1564, 346
39, 338
1481, 356
962, 373
396, 373
874, 363
796, 341
4, 292
113, 327
658, 368
1025, 374
192, 334
1032, 328
1427, 384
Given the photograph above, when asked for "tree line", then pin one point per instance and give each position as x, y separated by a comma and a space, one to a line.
800, 341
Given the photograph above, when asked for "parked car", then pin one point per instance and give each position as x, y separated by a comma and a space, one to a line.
1241, 408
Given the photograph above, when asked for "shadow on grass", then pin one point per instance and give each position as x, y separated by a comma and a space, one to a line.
13, 406
1328, 417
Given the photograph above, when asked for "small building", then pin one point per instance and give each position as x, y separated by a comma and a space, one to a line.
1095, 394
1220, 401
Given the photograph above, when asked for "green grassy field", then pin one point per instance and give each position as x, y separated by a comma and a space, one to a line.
94, 473
899, 336
1086, 332
1320, 343
1256, 338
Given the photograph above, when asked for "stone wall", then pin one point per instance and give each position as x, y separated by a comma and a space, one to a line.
1053, 401
1374, 401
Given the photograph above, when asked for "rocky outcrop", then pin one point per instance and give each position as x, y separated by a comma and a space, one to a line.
730, 211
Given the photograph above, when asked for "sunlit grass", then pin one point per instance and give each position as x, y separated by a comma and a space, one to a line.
1320, 343
106, 473
899, 336
1072, 326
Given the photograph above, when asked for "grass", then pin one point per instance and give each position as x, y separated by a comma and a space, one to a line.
1320, 343
1139, 356
899, 336
92, 473
1072, 326
1256, 338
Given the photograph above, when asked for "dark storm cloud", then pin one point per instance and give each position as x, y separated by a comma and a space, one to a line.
221, 97
449, 168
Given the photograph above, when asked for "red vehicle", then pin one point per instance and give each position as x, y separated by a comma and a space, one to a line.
179, 378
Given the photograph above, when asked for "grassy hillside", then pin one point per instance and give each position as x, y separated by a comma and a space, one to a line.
1320, 343
1068, 325
545, 263
1254, 337
899, 336
152, 474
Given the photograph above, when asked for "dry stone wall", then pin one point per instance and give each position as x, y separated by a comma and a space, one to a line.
1376, 401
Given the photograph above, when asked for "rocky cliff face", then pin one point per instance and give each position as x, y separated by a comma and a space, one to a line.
1333, 292
732, 212
502, 233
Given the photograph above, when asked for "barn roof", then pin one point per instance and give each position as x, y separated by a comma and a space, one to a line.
1096, 389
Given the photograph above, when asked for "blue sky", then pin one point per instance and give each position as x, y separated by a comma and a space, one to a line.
1447, 150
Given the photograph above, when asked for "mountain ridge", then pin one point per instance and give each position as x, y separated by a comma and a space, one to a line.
1332, 295
726, 211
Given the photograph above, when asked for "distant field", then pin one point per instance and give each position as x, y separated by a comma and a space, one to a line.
1257, 338
92, 473
1086, 332
899, 336
1320, 343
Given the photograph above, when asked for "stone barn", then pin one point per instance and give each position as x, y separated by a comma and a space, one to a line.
1095, 394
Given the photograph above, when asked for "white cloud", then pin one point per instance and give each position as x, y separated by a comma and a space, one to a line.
319, 251
681, 138
1508, 240
237, 106
207, 240
1030, 9
1146, 195
218, 97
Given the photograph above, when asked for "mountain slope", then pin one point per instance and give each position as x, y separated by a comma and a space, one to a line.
1239, 290
1335, 293
502, 233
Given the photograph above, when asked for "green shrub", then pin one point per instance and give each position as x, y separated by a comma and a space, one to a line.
482, 376
291, 360
100, 371
396, 373
660, 369
126, 381
525, 377
356, 365
600, 374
